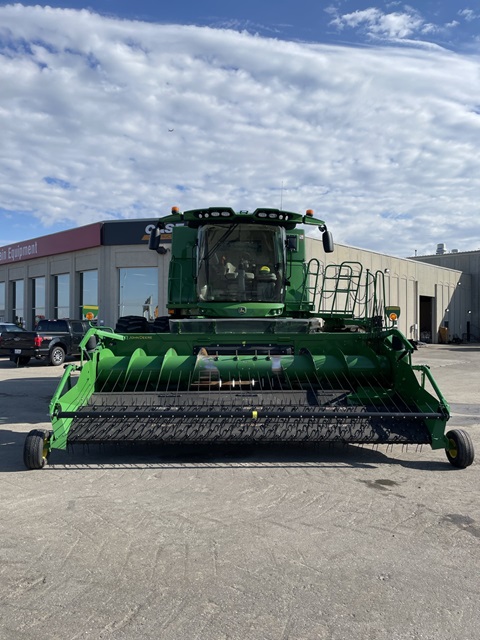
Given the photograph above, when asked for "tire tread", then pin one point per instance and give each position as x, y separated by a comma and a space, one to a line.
33, 449
465, 452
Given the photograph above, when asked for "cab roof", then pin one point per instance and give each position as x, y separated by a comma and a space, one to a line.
262, 215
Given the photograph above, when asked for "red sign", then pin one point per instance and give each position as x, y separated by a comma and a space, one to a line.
62, 242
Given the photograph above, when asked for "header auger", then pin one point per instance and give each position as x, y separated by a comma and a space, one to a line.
258, 345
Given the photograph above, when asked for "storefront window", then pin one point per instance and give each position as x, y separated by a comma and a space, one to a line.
138, 292
17, 299
38, 302
89, 294
2, 301
62, 296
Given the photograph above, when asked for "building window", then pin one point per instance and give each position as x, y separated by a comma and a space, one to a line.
61, 296
138, 293
38, 302
89, 294
2, 301
17, 302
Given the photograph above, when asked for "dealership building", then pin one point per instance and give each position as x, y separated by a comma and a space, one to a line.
104, 270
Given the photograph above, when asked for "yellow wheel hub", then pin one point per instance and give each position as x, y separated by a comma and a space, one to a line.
453, 451
46, 448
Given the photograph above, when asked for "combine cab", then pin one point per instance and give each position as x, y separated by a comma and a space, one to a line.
258, 346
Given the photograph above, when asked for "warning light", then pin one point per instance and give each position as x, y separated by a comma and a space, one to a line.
393, 317
175, 209
309, 212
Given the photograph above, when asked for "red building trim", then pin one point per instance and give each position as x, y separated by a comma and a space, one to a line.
54, 244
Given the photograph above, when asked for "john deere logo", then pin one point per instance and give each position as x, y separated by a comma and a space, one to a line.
242, 310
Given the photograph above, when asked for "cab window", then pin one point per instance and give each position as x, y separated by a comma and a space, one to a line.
241, 263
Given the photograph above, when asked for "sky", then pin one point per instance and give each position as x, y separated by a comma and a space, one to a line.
366, 112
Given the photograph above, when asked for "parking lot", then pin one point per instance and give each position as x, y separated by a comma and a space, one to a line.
298, 543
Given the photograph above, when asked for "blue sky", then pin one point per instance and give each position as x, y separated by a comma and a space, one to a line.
447, 23
368, 112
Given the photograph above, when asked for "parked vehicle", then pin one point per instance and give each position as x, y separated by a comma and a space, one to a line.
10, 326
51, 341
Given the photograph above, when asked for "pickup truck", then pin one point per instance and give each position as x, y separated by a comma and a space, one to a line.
51, 341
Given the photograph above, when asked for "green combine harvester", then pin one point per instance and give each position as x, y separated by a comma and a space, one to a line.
258, 346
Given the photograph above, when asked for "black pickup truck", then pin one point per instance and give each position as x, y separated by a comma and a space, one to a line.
51, 341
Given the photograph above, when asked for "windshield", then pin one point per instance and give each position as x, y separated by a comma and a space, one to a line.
241, 262
56, 326
11, 327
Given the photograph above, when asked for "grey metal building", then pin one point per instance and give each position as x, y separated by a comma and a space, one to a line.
462, 313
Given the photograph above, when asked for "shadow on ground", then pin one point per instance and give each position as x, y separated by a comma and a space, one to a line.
207, 456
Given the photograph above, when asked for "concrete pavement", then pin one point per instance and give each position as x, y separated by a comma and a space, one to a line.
299, 544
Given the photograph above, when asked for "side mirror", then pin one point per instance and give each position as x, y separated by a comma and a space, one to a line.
327, 240
154, 240
292, 243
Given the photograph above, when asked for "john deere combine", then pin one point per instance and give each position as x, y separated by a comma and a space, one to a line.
259, 345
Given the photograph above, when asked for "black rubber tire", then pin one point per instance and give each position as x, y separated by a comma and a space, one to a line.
161, 325
132, 324
35, 451
91, 343
461, 453
56, 357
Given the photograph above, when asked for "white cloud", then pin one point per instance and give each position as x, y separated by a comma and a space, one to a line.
382, 142
469, 14
376, 23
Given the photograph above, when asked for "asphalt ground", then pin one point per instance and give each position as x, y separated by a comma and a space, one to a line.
325, 542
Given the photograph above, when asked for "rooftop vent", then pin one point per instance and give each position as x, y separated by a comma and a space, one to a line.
441, 249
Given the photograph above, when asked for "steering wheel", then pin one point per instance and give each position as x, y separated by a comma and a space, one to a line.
247, 260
